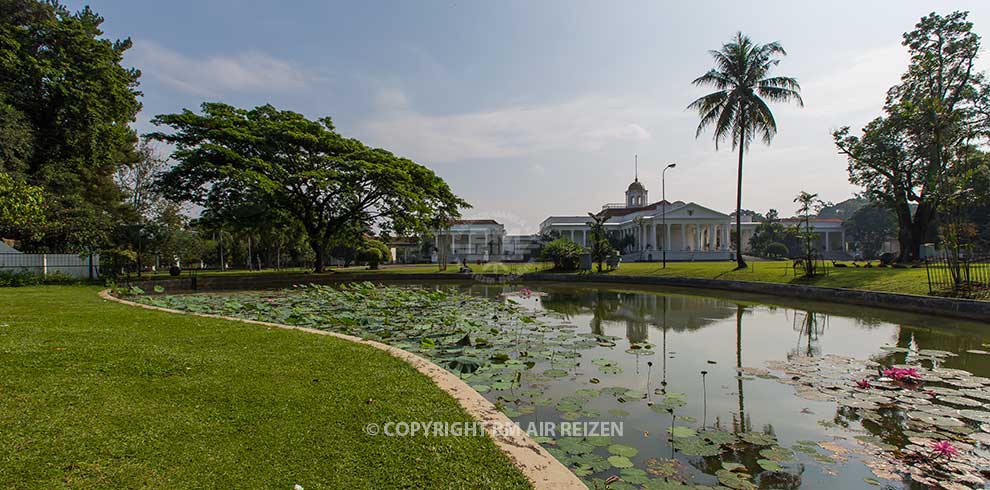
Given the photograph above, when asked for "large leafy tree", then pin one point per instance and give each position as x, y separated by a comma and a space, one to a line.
67, 103
737, 111
324, 181
908, 158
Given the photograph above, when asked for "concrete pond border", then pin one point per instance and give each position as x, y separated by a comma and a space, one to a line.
542, 470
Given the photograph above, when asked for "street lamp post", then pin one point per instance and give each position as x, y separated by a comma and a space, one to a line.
663, 203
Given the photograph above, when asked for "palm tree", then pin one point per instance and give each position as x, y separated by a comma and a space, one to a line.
737, 110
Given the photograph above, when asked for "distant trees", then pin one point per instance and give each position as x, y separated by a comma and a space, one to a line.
868, 228
933, 123
326, 183
772, 239
737, 111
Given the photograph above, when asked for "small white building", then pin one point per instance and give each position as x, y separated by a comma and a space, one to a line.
483, 240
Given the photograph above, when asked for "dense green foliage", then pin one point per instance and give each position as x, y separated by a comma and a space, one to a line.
18, 279
564, 254
373, 252
328, 184
20, 204
771, 232
106, 396
737, 110
66, 103
922, 149
868, 228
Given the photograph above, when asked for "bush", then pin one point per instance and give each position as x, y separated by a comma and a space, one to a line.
564, 254
777, 250
373, 252
17, 279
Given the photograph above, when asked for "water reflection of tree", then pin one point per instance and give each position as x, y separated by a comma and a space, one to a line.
810, 326
740, 422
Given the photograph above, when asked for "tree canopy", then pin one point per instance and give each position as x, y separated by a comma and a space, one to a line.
327, 183
908, 158
66, 104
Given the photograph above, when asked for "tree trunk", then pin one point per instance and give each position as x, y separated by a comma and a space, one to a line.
740, 263
320, 252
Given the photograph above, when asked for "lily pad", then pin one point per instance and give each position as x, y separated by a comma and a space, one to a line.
622, 450
620, 462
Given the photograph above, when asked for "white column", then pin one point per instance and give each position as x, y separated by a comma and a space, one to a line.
726, 233
584, 237
666, 238
697, 237
711, 237
827, 245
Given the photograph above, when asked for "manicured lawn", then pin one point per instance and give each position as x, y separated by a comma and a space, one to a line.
910, 281
99, 395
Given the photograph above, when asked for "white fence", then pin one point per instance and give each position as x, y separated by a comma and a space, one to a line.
79, 266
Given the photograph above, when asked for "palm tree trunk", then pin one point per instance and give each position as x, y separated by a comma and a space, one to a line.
740, 263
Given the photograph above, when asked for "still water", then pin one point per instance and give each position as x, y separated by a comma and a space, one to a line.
711, 352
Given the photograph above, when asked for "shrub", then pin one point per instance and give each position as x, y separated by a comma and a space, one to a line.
564, 254
777, 249
373, 252
17, 279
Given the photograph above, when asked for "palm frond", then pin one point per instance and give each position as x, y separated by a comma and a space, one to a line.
776, 94
714, 78
762, 120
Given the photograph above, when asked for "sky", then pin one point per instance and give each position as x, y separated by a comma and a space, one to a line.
531, 109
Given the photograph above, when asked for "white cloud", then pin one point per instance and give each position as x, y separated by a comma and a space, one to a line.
586, 124
248, 71
857, 86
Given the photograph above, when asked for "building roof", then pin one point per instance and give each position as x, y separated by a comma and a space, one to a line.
613, 212
636, 186
475, 222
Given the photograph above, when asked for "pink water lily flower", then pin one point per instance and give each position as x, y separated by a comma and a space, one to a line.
863, 384
902, 374
944, 449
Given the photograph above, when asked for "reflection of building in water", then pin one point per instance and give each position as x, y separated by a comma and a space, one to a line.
638, 311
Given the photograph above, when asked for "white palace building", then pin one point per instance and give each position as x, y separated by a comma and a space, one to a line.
687, 230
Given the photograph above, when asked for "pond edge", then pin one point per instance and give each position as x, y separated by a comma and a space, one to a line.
928, 305
539, 467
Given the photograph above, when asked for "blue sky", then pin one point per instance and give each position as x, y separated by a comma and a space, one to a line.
532, 108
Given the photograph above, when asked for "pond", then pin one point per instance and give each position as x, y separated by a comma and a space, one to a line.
706, 391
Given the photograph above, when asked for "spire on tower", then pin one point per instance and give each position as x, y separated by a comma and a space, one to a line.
636, 175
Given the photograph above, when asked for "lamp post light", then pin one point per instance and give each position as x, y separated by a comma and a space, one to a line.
663, 203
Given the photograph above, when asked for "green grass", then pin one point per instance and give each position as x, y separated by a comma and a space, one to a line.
95, 394
908, 281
